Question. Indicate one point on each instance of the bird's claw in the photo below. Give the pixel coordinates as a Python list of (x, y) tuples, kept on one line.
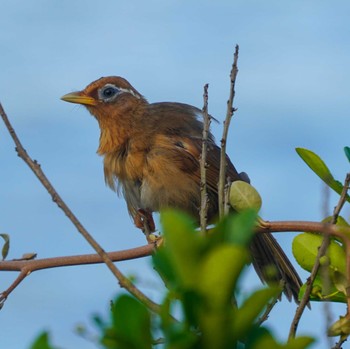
[(144, 220)]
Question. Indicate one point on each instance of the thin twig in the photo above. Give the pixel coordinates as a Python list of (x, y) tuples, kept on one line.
[(3, 296), (35, 167), (339, 344), (324, 267), (267, 311), (227, 205), (229, 114), (203, 212), (342, 199), (336, 213), (321, 252)]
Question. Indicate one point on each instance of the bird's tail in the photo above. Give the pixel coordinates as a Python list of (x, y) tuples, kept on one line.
[(272, 265)]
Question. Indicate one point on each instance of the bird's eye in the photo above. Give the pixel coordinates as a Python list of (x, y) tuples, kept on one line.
[(108, 92)]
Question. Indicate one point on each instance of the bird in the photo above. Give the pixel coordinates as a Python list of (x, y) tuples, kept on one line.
[(151, 155)]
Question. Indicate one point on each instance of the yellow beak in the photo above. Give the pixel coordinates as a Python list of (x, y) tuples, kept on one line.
[(79, 98)]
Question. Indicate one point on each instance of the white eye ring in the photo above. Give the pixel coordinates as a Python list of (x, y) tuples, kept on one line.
[(108, 92)]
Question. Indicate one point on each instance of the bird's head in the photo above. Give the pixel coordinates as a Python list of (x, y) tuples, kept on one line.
[(107, 97), (117, 106)]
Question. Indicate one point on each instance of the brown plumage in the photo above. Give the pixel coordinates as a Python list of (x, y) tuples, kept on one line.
[(151, 152)]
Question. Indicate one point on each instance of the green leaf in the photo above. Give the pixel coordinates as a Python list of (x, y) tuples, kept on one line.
[(192, 303), (320, 168), (262, 338), (251, 308), (319, 295), (6, 246), (131, 325), (244, 196), (42, 342), (347, 152), (305, 249), (299, 343), (340, 328), (240, 227), (341, 223), (341, 282), (183, 246), (218, 274), (216, 330), (176, 333), (163, 265)]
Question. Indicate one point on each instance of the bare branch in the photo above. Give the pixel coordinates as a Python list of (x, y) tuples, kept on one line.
[(26, 267), (203, 212), (294, 226), (35, 167), (65, 261), (229, 114)]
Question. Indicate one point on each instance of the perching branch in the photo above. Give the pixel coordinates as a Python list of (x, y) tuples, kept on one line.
[(302, 226), (35, 167), (26, 267), (139, 252), (203, 213), (229, 114)]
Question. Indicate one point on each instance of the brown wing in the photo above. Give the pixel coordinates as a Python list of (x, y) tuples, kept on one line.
[(266, 251), (213, 162), (177, 146), (184, 153), (181, 140)]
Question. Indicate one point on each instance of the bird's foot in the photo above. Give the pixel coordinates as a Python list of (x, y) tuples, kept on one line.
[(156, 240), (144, 220)]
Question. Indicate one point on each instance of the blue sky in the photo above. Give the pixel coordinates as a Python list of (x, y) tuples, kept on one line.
[(292, 90)]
